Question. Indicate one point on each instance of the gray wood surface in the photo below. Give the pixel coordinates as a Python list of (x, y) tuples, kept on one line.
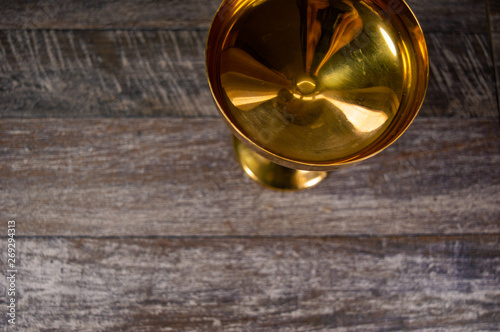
[(178, 177), (494, 20), (443, 15), (495, 37), (494, 14), (456, 87), (450, 16), (162, 73), (239, 284), (132, 214), (103, 73), (105, 14)]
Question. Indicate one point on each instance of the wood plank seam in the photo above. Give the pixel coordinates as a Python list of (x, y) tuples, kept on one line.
[(258, 237)]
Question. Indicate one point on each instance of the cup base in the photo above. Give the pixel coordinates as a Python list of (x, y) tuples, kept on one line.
[(272, 175)]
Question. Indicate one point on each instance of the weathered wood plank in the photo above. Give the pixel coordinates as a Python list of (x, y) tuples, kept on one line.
[(462, 79), (105, 14), (442, 15), (340, 284), (162, 73), (495, 37), (494, 20), (103, 73), (494, 15), (127, 177), (450, 15)]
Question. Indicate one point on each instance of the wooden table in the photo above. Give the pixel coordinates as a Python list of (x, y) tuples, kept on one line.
[(132, 215)]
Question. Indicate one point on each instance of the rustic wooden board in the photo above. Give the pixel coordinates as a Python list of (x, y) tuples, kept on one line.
[(443, 15), (495, 37), (162, 73), (450, 15), (456, 88), (150, 225), (105, 14), (494, 13), (234, 284), (103, 73), (494, 20), (141, 177)]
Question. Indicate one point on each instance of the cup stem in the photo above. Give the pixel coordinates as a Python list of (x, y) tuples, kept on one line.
[(272, 175)]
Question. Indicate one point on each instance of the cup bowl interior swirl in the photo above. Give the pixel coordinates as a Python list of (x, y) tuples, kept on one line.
[(317, 84)]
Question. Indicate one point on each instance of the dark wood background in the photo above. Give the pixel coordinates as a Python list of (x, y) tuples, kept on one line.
[(132, 214)]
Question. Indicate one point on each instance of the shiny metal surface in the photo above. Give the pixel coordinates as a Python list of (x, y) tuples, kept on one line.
[(316, 84), (272, 175)]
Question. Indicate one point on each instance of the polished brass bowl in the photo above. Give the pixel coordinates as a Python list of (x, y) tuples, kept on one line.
[(310, 85)]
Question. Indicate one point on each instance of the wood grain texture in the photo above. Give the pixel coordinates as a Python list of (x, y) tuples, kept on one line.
[(305, 284), (494, 15), (162, 73), (451, 15), (103, 73), (150, 225), (105, 14), (495, 37), (442, 15), (456, 86), (141, 177), (494, 20)]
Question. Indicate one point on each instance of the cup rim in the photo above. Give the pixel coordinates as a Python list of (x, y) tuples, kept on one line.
[(224, 17)]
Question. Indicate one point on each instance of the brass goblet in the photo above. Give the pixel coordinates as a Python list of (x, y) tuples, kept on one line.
[(307, 86)]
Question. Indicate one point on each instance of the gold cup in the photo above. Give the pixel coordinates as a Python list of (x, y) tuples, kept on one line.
[(307, 86)]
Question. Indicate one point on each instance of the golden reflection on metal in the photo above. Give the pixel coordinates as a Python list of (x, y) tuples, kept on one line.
[(273, 175), (389, 41), (312, 85)]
